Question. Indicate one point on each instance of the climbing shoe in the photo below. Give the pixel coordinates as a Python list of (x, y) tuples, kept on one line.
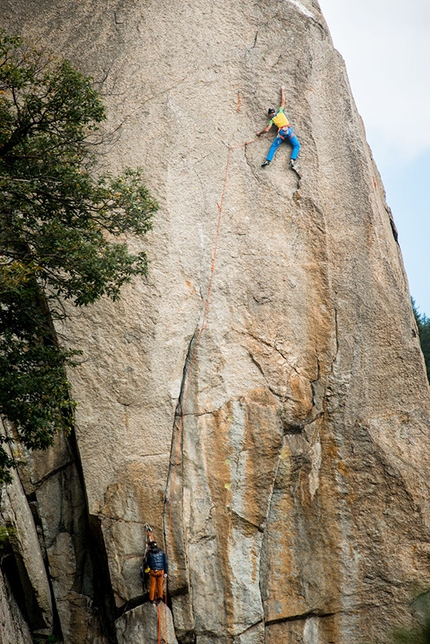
[(293, 164), (263, 165)]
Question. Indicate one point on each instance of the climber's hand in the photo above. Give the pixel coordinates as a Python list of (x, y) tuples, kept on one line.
[(165, 575)]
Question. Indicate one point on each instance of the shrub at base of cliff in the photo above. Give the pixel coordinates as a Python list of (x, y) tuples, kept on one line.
[(58, 225)]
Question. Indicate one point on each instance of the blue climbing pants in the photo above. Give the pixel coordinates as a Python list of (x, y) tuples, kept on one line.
[(286, 134)]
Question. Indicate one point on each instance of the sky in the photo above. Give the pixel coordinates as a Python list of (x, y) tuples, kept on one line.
[(386, 47)]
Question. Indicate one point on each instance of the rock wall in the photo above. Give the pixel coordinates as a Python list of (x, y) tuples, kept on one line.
[(276, 432)]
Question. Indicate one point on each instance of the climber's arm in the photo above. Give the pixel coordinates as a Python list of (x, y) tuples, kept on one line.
[(265, 129), (282, 96)]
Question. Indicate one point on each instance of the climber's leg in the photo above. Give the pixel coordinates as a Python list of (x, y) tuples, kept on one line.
[(152, 583), (296, 146), (275, 145), (160, 584)]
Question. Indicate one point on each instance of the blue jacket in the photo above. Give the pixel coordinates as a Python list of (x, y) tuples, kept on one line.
[(156, 560)]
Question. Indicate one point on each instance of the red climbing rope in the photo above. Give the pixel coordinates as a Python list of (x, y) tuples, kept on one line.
[(158, 624), (161, 617), (180, 425)]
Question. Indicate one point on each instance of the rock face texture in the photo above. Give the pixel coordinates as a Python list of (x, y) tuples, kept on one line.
[(261, 399), (142, 624)]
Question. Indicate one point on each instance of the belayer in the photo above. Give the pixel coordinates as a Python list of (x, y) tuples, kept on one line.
[(285, 133), (156, 561)]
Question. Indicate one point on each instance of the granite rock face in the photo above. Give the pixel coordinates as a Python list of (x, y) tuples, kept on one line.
[(261, 398), (23, 542), (13, 626), (143, 623)]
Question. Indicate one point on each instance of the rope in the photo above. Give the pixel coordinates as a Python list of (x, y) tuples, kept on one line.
[(162, 633), (180, 426), (164, 604)]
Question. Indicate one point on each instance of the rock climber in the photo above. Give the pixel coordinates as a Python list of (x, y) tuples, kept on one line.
[(285, 133), (156, 561)]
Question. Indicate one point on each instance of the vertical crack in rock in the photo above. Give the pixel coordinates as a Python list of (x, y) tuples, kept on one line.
[(315, 381), (392, 223), (336, 328), (250, 165), (263, 562), (296, 193), (288, 538), (75, 560), (97, 567), (174, 512)]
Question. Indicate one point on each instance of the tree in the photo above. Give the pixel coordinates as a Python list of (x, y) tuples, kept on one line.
[(423, 324), (59, 229)]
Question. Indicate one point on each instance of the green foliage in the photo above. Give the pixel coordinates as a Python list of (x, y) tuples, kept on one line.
[(59, 230), (413, 636), (5, 535), (423, 324), (420, 634)]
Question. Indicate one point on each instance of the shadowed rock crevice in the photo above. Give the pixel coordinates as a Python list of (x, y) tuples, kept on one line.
[(14, 570), (392, 224), (294, 618), (53, 501), (103, 597), (89, 585), (181, 586)]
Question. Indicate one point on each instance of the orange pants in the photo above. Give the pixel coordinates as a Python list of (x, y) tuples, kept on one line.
[(156, 578)]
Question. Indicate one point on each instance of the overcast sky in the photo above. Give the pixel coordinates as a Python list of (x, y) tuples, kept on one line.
[(386, 47)]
